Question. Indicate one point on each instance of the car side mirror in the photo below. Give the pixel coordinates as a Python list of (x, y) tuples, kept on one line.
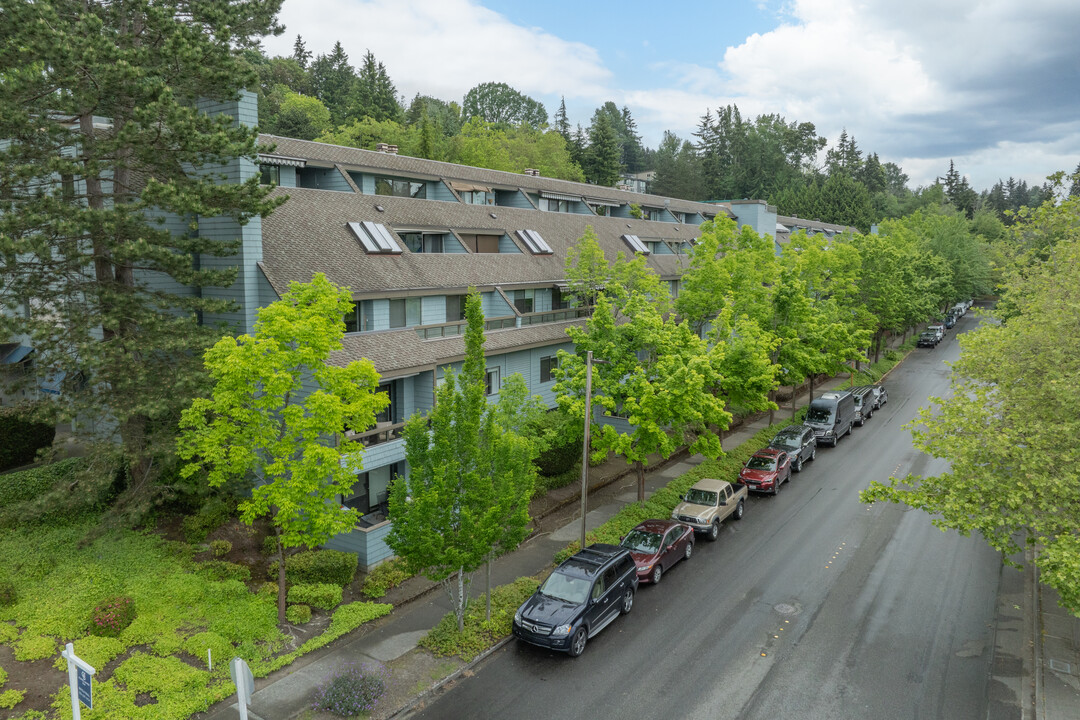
[(670, 548), (683, 498)]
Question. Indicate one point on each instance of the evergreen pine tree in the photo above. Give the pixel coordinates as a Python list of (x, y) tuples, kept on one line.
[(300, 52), (602, 157)]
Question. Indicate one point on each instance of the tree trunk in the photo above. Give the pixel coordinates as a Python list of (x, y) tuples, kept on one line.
[(794, 401), (280, 578), (489, 588), (640, 481), (772, 401), (811, 398), (459, 606)]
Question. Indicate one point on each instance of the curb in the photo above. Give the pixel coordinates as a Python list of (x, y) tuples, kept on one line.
[(408, 708)]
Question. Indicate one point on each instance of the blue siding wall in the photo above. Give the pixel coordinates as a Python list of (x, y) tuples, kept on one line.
[(757, 215), (623, 211), (437, 190), (452, 245), (423, 388), (432, 309), (322, 179), (494, 306), (512, 198), (267, 294), (506, 245)]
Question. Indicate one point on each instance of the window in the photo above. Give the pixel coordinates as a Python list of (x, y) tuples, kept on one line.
[(558, 302), (423, 242), (648, 213), (481, 243), (476, 197), (361, 318), (371, 489), (523, 300), (400, 188), (455, 308), (674, 289), (491, 382), (404, 312), (547, 364), (600, 209), (554, 205), (271, 174), (387, 415)]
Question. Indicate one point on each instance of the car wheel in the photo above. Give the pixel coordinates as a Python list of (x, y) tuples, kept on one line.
[(657, 573), (739, 510), (798, 464), (577, 643), (714, 530), (689, 550), (776, 486), (813, 453), (628, 599)]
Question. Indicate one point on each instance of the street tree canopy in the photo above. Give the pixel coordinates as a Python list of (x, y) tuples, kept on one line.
[(1009, 426)]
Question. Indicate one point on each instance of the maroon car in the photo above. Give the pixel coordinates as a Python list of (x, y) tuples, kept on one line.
[(656, 545), (766, 470)]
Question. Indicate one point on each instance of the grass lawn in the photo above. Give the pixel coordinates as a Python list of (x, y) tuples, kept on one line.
[(157, 666)]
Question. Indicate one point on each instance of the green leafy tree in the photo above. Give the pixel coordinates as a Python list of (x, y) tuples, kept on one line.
[(501, 104), (632, 277), (368, 132), (300, 116), (470, 478), (667, 398), (587, 270), (513, 149), (445, 115), (83, 207), (263, 422), (1014, 394)]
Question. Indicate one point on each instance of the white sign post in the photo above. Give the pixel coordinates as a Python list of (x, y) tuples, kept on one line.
[(80, 678), (245, 684)]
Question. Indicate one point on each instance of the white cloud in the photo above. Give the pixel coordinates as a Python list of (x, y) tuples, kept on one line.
[(444, 48)]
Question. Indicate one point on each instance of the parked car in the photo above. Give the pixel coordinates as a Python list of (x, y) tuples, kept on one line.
[(881, 396), (656, 545), (798, 441), (831, 415), (579, 599), (864, 403), (939, 329), (927, 339), (950, 320), (766, 470), (708, 503)]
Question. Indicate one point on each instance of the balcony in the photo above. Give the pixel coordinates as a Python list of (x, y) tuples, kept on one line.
[(550, 316), (382, 432), (430, 332)]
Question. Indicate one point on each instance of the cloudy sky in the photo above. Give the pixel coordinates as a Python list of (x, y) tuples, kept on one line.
[(991, 84)]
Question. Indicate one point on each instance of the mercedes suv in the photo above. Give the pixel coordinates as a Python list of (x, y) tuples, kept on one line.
[(579, 599)]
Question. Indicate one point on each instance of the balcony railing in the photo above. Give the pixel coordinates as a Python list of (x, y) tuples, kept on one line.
[(428, 332), (549, 316), (381, 433)]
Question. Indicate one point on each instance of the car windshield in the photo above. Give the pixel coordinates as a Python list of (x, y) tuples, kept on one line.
[(701, 497), (761, 463), (817, 414), (786, 441), (566, 588), (641, 541), (858, 400)]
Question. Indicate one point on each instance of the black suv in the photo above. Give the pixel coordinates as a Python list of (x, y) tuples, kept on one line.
[(865, 396), (579, 599), (799, 442), (927, 339)]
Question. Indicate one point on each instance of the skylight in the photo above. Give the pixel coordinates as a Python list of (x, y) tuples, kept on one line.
[(635, 244), (535, 243), (375, 238)]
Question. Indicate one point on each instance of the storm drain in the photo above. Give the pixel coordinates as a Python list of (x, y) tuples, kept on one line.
[(786, 609), (1061, 667)]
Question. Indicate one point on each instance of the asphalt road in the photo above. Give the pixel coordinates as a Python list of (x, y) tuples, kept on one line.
[(813, 606)]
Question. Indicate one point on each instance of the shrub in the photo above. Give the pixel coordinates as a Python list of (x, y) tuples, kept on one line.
[(34, 647), (211, 515), (8, 595), (23, 437), (220, 548), (298, 614), (390, 574), (11, 698), (480, 633), (319, 566), (111, 617), (269, 546), (321, 595), (352, 690), (28, 484), (224, 570), (268, 588)]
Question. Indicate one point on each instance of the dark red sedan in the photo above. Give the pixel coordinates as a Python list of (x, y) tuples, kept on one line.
[(766, 470), (656, 545)]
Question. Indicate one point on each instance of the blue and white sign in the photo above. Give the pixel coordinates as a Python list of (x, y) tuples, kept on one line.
[(84, 684), (81, 681)]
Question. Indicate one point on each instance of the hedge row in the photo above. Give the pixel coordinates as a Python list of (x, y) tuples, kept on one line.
[(25, 485), (313, 567)]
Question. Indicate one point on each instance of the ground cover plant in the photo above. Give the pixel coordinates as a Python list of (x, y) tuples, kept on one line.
[(156, 666)]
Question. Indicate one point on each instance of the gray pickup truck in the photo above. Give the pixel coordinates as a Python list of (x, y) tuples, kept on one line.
[(708, 503)]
